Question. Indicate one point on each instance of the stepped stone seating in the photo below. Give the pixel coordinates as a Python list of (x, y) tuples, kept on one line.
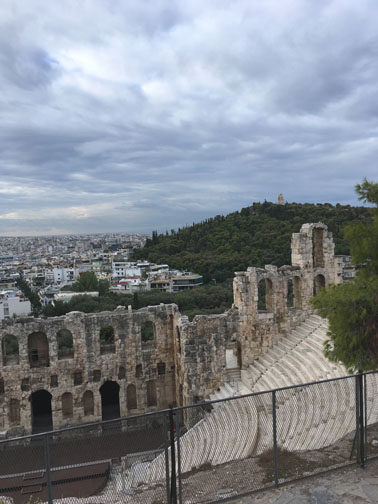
[(308, 416), (228, 433)]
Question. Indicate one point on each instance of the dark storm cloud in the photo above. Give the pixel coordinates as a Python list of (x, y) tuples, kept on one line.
[(141, 115)]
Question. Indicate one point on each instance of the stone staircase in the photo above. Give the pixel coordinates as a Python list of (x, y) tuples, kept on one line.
[(308, 417)]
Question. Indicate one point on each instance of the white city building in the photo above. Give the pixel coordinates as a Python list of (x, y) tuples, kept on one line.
[(12, 303)]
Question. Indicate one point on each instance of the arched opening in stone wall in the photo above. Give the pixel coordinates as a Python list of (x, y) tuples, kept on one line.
[(110, 400), (131, 397), (42, 420), (290, 293), (88, 403), (121, 373), (1, 386), (38, 348), (161, 368), (147, 331), (319, 284), (107, 339), (138, 371), (14, 412), (67, 405), (297, 287), (178, 339), (9, 346), (65, 344), (265, 295), (318, 247), (151, 393)]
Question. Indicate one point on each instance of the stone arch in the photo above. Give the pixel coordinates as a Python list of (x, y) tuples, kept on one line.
[(138, 371), (290, 293), (121, 373), (107, 339), (151, 393), (131, 397), (67, 405), (38, 348), (9, 346), (297, 288), (42, 420), (319, 283), (88, 403), (161, 368), (147, 331), (65, 344), (318, 247), (265, 295), (110, 400), (14, 412)]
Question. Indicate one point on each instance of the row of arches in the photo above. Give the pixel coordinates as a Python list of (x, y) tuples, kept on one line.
[(293, 292), (41, 404), (38, 346)]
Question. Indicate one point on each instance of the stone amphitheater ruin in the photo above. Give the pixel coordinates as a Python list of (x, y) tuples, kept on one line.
[(63, 371)]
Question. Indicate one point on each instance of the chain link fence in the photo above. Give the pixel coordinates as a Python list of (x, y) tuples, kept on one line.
[(202, 453)]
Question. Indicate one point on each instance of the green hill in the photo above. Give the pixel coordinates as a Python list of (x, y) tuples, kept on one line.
[(255, 236)]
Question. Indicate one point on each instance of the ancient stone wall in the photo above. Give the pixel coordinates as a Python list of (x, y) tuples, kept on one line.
[(147, 367), (126, 362)]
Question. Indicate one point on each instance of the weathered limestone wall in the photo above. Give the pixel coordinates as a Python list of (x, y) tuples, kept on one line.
[(201, 356), (312, 250), (132, 362), (183, 364)]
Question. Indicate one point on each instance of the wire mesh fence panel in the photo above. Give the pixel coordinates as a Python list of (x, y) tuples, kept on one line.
[(219, 455), (111, 459), (316, 427), (22, 469), (371, 415)]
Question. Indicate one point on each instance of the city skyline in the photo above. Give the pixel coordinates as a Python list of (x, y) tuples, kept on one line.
[(135, 116)]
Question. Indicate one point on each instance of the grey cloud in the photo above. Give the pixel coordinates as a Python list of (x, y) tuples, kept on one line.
[(162, 115)]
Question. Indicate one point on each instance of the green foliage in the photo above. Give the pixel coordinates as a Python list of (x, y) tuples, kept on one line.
[(201, 300), (32, 296), (255, 236), (352, 308), (11, 345), (65, 340), (147, 331), (87, 282), (106, 335)]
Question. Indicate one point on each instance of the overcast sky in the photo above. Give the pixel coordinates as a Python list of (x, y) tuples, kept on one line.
[(133, 115)]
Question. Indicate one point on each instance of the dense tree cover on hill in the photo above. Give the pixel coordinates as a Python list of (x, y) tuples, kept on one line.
[(255, 236), (201, 300), (32, 296), (352, 308)]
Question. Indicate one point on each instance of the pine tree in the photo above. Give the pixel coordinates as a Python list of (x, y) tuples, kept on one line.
[(352, 308)]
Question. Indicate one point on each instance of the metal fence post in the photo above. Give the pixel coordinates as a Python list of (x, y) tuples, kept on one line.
[(173, 496), (362, 419), (275, 450), (166, 454), (365, 417), (47, 464), (178, 454)]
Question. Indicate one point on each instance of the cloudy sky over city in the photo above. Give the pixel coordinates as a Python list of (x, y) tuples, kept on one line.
[(136, 115)]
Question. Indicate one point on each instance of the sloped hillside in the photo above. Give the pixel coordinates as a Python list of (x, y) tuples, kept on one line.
[(257, 235)]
